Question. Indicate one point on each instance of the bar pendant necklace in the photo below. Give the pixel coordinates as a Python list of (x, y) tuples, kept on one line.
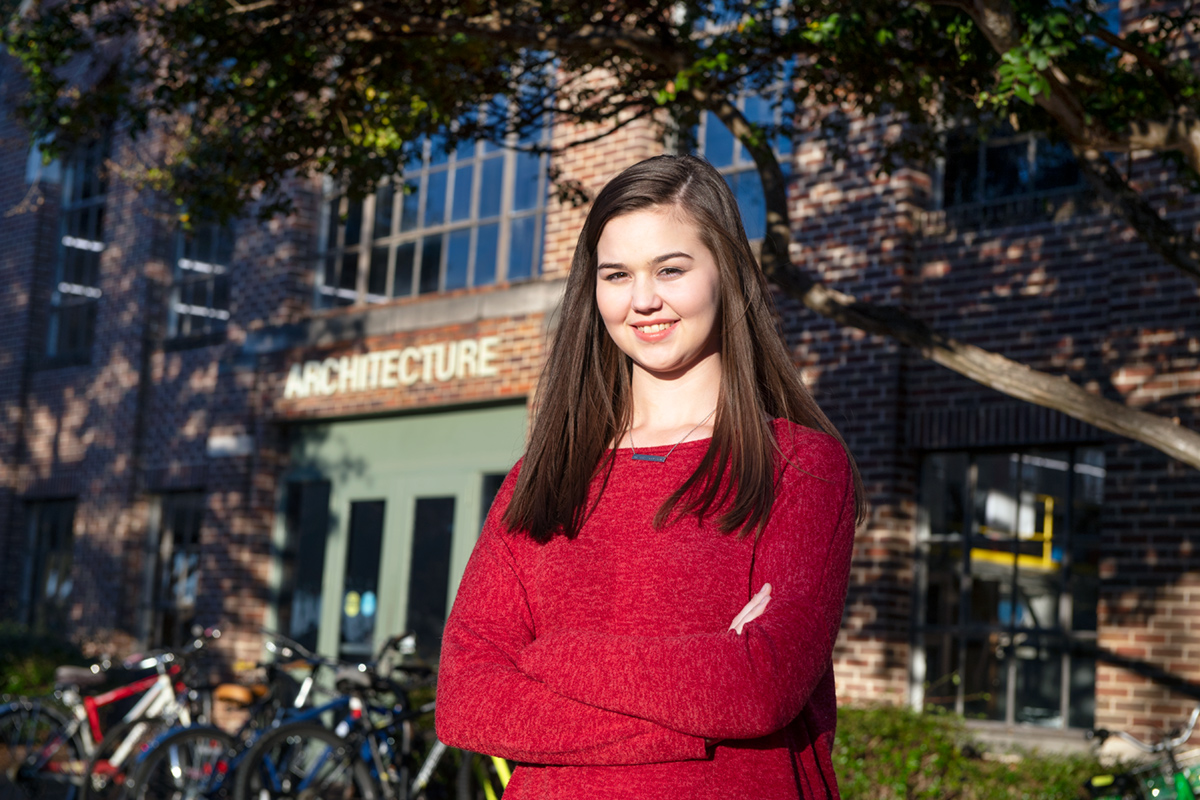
[(660, 459)]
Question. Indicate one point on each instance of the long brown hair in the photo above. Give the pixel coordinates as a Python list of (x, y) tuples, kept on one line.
[(584, 403)]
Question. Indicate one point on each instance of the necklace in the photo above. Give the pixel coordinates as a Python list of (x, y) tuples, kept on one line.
[(647, 457)]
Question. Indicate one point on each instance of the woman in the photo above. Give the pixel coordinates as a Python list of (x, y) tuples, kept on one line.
[(652, 606)]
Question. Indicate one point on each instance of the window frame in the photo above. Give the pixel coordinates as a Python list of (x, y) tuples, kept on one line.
[(72, 295), (196, 271), (1015, 208), (40, 558), (1013, 635), (333, 258), (741, 163)]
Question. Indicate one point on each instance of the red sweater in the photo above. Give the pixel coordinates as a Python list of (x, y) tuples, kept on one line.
[(602, 663)]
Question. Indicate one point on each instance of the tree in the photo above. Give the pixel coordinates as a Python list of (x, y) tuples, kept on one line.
[(245, 94)]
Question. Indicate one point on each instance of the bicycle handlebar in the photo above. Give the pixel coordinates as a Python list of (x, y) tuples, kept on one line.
[(1168, 743)]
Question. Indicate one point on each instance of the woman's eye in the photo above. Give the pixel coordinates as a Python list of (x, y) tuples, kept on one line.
[(613, 276), (670, 272)]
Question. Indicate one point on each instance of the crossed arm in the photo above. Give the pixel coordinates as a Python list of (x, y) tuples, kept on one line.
[(650, 699)]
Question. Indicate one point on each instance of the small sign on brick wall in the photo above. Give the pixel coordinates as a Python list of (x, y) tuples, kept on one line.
[(393, 369)]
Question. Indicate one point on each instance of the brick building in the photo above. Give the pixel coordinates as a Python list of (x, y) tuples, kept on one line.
[(300, 424)]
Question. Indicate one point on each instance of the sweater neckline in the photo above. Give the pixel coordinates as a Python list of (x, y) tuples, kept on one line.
[(662, 447)]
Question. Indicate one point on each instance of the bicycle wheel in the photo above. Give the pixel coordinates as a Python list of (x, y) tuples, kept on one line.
[(38, 761), (478, 777), (302, 760), (117, 752), (186, 764)]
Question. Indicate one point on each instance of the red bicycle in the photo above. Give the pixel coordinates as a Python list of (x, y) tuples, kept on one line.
[(56, 748)]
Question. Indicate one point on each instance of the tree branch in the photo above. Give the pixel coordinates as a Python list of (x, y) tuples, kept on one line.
[(983, 367)]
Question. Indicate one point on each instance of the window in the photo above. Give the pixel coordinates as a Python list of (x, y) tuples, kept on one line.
[(178, 567), (200, 293), (469, 217), (725, 152), (48, 580), (1008, 551), (76, 289), (1007, 176)]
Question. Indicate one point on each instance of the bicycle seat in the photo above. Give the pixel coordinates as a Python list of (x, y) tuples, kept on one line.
[(238, 695), (352, 677), (70, 675)]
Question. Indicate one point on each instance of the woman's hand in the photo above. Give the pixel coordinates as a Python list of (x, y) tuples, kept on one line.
[(752, 610)]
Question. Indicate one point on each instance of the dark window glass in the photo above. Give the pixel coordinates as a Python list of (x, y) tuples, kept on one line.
[(429, 579), (491, 487), (405, 254), (458, 256), (377, 275), (360, 583), (491, 190), (435, 199), (431, 263), (48, 566), (522, 241), (486, 253), (462, 193), (303, 561), (412, 199)]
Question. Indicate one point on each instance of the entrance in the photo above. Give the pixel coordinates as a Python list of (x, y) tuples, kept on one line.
[(378, 520)]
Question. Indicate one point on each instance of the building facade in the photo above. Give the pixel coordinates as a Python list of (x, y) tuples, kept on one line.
[(299, 425)]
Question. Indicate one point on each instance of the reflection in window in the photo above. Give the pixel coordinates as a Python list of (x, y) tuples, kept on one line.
[(468, 216), (1009, 551), (200, 293), (717, 144), (81, 242)]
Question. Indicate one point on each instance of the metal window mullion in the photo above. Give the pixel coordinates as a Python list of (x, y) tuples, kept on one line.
[(966, 584), (391, 242), (508, 182), (476, 195), (366, 242), (1066, 603)]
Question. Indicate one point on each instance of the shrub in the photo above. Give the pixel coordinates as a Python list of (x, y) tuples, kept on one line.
[(888, 753), (27, 660)]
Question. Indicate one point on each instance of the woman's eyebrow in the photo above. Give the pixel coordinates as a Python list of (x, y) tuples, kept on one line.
[(655, 260)]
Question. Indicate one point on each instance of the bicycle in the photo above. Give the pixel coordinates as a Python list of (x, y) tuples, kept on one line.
[(198, 761), (52, 748), (372, 752), (1173, 777)]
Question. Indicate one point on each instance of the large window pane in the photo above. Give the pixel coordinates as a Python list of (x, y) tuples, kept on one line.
[(431, 264), (458, 259), (522, 244), (486, 253), (429, 578), (303, 561), (360, 583)]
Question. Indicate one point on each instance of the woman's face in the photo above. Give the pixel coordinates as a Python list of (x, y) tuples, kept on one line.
[(658, 291)]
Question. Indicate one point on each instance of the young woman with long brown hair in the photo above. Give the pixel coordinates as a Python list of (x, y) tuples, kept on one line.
[(652, 606)]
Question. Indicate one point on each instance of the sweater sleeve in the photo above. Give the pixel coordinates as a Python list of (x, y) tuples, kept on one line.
[(487, 705), (721, 684)]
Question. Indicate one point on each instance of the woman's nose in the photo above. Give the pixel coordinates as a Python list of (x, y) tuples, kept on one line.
[(645, 296)]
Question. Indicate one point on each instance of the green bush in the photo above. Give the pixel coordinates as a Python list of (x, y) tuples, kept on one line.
[(27, 660), (888, 753)]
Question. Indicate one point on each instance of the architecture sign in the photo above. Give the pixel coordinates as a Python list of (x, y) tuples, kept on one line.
[(392, 369)]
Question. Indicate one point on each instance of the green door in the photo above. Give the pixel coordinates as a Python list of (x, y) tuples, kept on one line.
[(378, 518)]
